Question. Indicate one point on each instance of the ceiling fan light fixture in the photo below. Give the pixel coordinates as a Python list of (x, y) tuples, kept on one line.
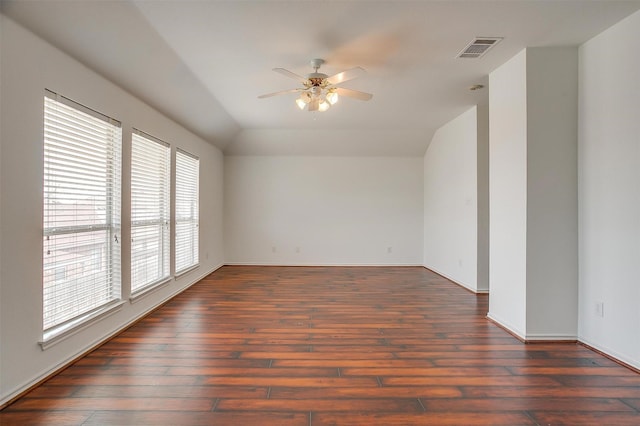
[(304, 99), (332, 97), (323, 106)]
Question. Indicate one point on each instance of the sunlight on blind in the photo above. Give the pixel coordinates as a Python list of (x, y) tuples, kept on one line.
[(187, 181), (81, 257), (150, 173)]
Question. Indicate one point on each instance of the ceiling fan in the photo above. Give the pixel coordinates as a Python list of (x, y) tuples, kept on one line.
[(320, 91)]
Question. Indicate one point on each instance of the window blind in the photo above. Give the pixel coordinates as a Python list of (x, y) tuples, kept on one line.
[(81, 247), (150, 173), (187, 214)]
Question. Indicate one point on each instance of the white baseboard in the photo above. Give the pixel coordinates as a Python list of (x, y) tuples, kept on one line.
[(551, 337), (617, 356), (506, 326), (314, 264), (461, 284)]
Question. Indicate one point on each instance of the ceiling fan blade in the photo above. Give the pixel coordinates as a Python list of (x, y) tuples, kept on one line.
[(290, 74), (349, 93), (346, 75), (314, 105), (282, 92)]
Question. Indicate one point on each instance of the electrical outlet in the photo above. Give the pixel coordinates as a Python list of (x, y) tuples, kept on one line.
[(297, 249), (273, 249), (600, 309), (389, 249)]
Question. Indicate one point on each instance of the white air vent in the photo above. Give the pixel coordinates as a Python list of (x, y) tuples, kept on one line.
[(479, 47)]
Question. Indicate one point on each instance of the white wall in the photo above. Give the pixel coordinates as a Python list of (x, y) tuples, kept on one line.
[(451, 201), (552, 193), (28, 66), (483, 198), (323, 210), (1, 187), (508, 193), (609, 182), (318, 142), (533, 186)]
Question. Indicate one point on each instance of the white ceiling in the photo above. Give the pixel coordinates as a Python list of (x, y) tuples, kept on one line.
[(203, 63)]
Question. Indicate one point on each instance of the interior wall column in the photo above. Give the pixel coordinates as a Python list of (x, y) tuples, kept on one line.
[(533, 194)]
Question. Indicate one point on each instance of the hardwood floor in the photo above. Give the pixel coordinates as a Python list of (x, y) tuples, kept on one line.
[(330, 346)]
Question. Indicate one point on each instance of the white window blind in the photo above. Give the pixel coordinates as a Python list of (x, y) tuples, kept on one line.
[(81, 247), (150, 173), (186, 237)]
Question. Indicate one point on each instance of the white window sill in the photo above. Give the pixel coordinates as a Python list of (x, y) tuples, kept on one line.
[(149, 289), (186, 270), (59, 333)]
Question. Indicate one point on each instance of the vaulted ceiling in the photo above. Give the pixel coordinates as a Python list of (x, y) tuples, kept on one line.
[(203, 63)]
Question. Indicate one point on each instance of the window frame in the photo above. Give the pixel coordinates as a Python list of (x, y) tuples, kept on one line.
[(163, 220), (193, 218), (68, 141)]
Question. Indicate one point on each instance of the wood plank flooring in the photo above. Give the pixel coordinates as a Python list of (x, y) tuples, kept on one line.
[(330, 346)]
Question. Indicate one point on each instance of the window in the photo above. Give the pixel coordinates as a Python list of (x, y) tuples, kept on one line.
[(187, 177), (81, 247), (150, 172)]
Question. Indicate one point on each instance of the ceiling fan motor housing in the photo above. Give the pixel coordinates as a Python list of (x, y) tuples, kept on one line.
[(316, 78)]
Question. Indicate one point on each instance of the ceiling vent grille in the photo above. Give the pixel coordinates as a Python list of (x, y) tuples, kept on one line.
[(479, 47)]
